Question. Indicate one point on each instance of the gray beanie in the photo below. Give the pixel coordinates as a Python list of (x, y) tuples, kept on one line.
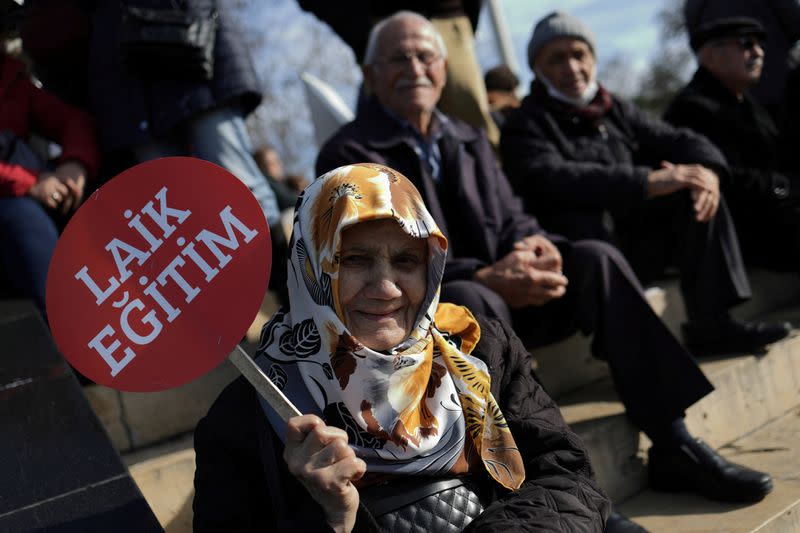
[(557, 24)]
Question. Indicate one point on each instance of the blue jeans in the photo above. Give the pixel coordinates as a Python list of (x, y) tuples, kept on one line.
[(219, 136), (27, 239)]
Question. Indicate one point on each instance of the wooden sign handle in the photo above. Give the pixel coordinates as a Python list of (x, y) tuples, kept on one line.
[(265, 387)]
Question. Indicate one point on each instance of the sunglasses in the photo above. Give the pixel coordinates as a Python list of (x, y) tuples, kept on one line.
[(748, 42), (745, 42)]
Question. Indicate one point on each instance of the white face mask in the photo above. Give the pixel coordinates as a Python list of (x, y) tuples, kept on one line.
[(582, 101)]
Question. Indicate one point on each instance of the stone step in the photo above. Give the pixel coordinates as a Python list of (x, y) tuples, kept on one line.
[(775, 448), (772, 291), (568, 365), (134, 420), (165, 475), (750, 392)]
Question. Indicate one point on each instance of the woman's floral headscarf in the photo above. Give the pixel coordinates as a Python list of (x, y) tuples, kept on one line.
[(424, 407)]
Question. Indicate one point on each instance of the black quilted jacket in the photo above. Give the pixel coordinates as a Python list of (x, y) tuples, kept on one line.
[(242, 483)]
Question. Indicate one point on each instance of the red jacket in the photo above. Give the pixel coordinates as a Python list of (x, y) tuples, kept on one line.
[(26, 109)]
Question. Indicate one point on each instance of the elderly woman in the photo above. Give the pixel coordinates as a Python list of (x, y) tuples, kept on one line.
[(418, 416)]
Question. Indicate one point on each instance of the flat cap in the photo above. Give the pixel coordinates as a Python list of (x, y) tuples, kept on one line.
[(724, 27)]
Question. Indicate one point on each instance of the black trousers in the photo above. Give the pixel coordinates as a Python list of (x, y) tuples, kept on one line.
[(656, 378), (665, 233), (768, 227)]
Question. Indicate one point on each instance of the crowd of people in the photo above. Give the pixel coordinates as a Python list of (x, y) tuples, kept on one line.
[(453, 228)]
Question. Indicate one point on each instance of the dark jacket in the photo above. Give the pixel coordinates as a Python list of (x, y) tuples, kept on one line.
[(570, 170), (130, 110), (242, 483), (477, 210), (781, 19), (745, 133)]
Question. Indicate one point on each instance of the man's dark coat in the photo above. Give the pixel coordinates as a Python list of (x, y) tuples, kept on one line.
[(763, 190), (585, 177)]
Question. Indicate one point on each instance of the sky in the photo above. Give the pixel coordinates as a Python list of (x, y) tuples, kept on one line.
[(627, 28)]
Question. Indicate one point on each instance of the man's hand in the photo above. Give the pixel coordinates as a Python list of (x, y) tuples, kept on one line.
[(702, 182), (520, 283), (547, 255), (49, 190), (73, 175), (320, 458)]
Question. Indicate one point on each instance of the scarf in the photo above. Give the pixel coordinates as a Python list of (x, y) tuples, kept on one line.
[(422, 408), (592, 105)]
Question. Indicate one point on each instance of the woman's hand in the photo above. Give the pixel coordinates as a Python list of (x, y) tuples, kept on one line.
[(73, 175), (319, 456), (49, 190)]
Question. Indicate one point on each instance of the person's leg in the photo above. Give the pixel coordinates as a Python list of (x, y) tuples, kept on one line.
[(665, 233), (27, 239), (656, 378), (769, 229), (713, 276), (654, 375), (220, 136)]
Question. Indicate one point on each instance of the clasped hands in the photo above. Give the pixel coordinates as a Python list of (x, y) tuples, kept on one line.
[(529, 275), (703, 185), (62, 188)]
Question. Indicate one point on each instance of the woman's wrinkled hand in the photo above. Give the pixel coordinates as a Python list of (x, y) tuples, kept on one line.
[(320, 458)]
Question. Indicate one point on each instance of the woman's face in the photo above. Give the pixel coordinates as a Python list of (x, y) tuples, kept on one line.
[(382, 282)]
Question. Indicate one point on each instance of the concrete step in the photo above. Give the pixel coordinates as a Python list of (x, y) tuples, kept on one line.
[(568, 365), (134, 420), (165, 475), (772, 291), (750, 392), (775, 448)]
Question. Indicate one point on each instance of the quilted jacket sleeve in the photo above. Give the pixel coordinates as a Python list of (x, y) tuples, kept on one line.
[(560, 493)]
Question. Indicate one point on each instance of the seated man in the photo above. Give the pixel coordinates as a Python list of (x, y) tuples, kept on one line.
[(763, 191), (590, 165), (502, 264)]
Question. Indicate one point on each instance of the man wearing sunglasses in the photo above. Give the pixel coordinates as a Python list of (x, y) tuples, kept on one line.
[(763, 188)]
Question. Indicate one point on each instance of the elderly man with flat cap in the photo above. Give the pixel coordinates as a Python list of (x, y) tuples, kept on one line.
[(501, 263), (763, 188), (590, 165)]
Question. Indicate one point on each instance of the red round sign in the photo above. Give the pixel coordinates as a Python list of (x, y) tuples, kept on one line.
[(158, 275)]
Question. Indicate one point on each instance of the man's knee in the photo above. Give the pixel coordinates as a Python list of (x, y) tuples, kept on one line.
[(475, 297), (601, 257)]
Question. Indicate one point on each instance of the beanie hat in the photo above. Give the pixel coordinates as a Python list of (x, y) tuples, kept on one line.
[(558, 24)]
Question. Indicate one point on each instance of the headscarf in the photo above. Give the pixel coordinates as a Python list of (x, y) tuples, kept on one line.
[(421, 408)]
